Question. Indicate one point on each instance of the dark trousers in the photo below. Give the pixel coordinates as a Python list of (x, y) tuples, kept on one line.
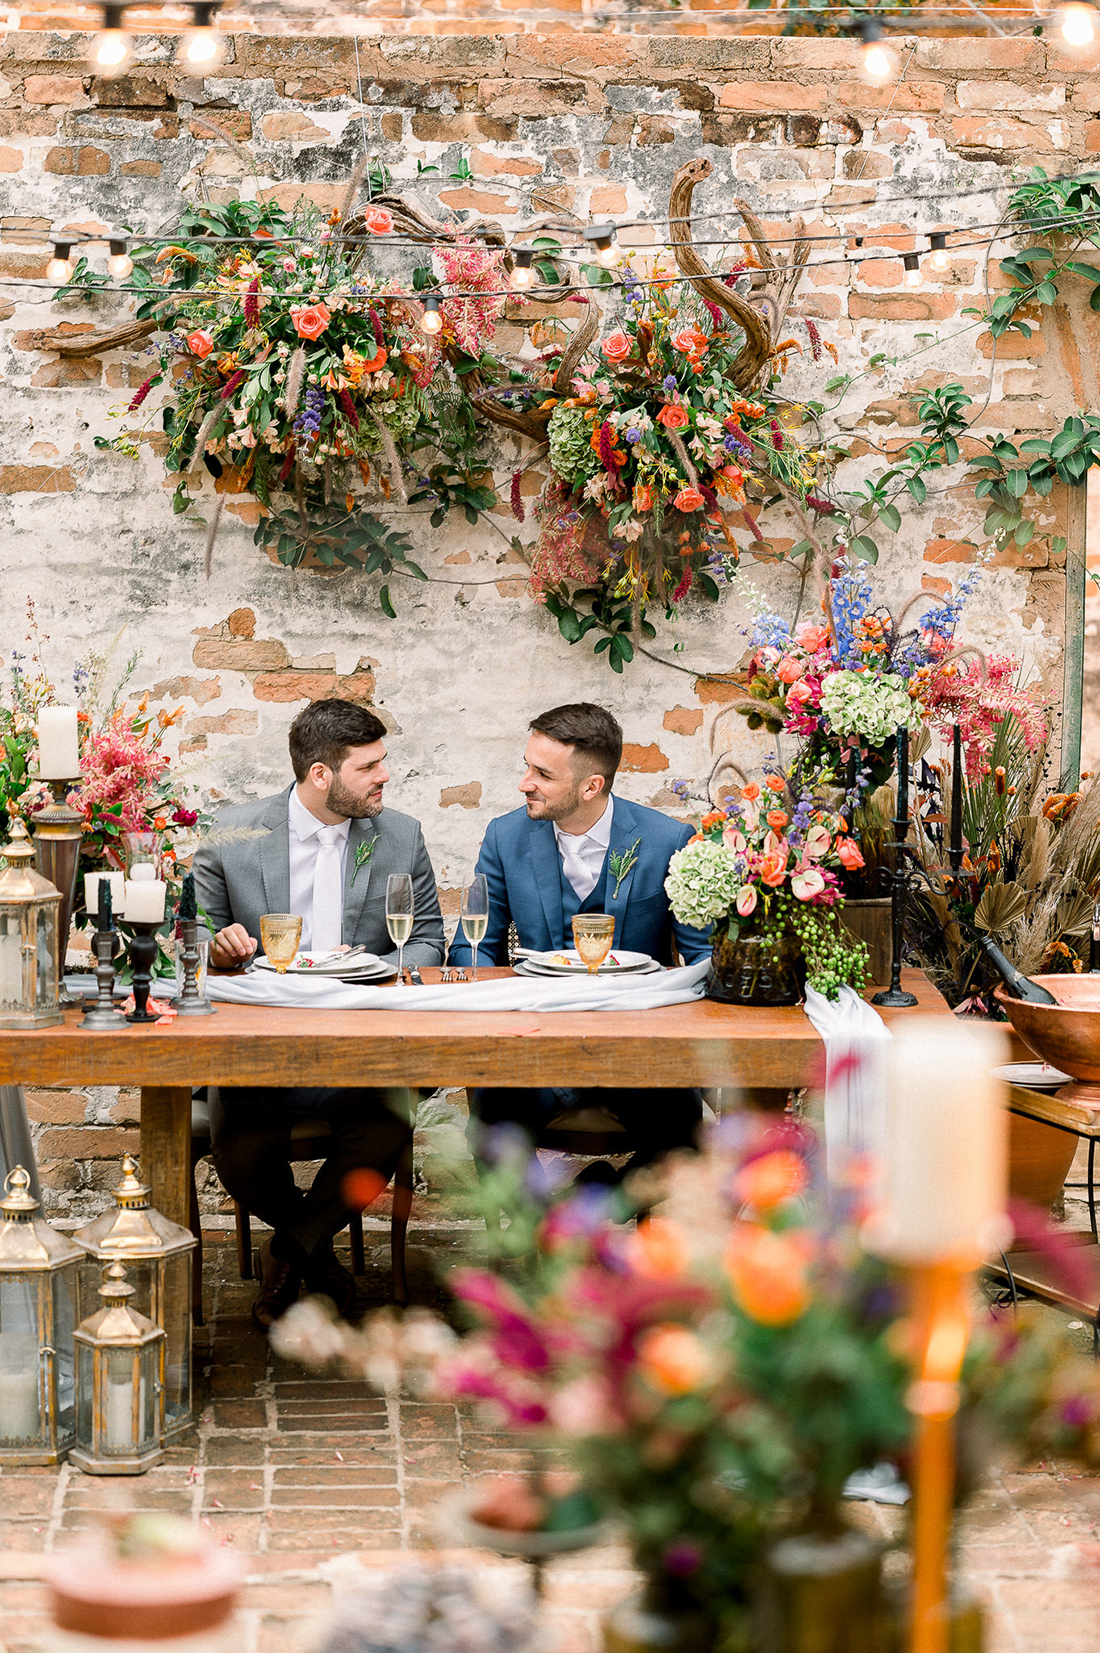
[(656, 1121), (250, 1128)]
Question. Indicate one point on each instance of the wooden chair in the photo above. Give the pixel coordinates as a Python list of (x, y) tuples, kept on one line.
[(308, 1140)]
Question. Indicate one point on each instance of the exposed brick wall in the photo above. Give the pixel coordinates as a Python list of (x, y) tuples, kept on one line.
[(561, 122)]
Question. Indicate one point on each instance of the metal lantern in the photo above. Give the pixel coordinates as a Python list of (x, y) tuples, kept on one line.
[(37, 1301), (30, 945), (157, 1254), (119, 1385)]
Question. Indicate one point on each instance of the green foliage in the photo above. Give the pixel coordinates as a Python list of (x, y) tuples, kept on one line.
[(339, 537), (83, 284)]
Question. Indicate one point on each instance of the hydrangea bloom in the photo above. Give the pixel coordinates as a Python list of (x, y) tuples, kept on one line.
[(872, 706), (702, 883)]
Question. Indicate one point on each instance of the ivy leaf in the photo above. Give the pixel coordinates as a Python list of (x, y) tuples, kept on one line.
[(386, 603), (917, 488)]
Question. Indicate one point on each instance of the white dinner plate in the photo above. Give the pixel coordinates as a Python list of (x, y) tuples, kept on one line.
[(359, 967), (575, 965), (1035, 1076), (531, 967)]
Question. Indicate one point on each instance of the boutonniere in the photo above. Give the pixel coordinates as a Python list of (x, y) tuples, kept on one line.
[(620, 863), (363, 854)]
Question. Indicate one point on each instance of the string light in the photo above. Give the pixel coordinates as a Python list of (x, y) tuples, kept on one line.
[(912, 270), (1077, 23), (202, 43), (938, 246), (876, 64), (431, 321), (120, 263), (113, 45), (60, 268), (602, 238), (522, 276)]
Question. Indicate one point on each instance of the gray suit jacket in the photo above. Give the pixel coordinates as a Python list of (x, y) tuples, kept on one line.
[(236, 883)]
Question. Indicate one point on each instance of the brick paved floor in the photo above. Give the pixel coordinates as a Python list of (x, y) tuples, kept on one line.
[(310, 1479)]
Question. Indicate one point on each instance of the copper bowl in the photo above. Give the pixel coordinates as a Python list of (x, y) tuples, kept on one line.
[(1066, 1034)]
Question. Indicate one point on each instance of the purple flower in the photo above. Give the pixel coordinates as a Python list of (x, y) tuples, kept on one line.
[(682, 1557), (670, 381), (633, 435)]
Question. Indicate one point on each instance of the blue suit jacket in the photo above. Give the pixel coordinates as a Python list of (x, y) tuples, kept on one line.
[(520, 860)]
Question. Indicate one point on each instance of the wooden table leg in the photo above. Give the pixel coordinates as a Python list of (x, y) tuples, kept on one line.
[(166, 1148)]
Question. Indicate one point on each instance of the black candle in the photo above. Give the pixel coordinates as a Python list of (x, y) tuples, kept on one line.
[(188, 908), (104, 920), (903, 773), (956, 798)]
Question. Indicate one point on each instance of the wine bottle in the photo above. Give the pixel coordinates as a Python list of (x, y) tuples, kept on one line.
[(1094, 942), (1016, 983)]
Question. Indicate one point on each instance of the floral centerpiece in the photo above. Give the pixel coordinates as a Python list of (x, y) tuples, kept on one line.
[(649, 457), (764, 872)]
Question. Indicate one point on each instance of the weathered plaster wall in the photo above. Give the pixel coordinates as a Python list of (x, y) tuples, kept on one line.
[(572, 123)]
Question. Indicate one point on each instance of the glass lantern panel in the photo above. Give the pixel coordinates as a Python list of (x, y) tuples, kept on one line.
[(121, 1371), (139, 1273), (85, 1395), (64, 1319), (46, 984), (176, 1310), (22, 1419), (11, 963)]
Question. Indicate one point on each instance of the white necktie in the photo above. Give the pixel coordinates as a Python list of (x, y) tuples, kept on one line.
[(328, 892), (576, 863)]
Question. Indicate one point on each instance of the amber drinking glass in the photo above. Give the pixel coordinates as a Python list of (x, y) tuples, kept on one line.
[(280, 934), (593, 934)]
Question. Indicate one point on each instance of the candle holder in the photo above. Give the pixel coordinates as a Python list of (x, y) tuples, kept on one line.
[(57, 833), (143, 954), (100, 1015), (901, 880), (191, 1002)]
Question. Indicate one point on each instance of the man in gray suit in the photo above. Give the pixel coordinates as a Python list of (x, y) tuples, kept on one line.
[(324, 848)]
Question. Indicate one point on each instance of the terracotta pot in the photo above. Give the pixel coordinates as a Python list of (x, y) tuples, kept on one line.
[(869, 920), (756, 970), (1039, 1158)]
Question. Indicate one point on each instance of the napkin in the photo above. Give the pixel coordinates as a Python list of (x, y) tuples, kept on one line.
[(855, 1038)]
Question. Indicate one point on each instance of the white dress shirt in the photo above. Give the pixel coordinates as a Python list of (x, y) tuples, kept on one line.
[(304, 845), (583, 853)]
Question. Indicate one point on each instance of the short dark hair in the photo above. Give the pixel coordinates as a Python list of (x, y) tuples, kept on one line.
[(325, 729), (591, 730)]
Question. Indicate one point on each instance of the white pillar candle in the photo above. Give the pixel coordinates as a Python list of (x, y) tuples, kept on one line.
[(144, 902), (120, 1414), (116, 882), (943, 1182), (58, 746), (142, 872), (19, 1415)]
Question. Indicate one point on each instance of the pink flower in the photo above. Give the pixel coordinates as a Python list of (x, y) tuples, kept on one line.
[(617, 346), (789, 670), (290, 264), (807, 883), (746, 900), (734, 840), (849, 852), (311, 320), (377, 220), (799, 694), (584, 1407), (817, 843), (200, 343), (811, 637), (772, 868)]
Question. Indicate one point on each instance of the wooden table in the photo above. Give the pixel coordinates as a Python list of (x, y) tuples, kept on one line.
[(763, 1053)]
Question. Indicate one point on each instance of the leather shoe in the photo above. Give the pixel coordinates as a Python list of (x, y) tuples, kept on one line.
[(598, 1173), (326, 1277), (280, 1284)]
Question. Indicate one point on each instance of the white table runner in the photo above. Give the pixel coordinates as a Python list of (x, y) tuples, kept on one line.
[(855, 1038), (514, 993)]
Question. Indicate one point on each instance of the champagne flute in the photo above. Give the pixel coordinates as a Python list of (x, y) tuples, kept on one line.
[(475, 913), (593, 934), (280, 934), (399, 912)]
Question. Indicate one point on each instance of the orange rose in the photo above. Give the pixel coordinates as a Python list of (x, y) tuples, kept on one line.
[(657, 1249), (768, 1273), (776, 819), (673, 1359), (773, 869), (776, 783), (788, 670), (712, 818), (689, 342), (689, 499), (849, 854), (643, 496), (616, 347), (200, 343), (674, 416), (751, 792), (377, 220), (772, 1178), (310, 321)]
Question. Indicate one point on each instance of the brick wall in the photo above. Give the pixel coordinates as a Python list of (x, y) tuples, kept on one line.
[(559, 122)]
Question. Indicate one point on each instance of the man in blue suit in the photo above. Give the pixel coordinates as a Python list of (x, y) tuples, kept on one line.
[(576, 848)]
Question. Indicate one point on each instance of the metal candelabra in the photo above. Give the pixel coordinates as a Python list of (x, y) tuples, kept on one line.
[(101, 1014), (143, 954), (191, 1002), (57, 834), (902, 880)]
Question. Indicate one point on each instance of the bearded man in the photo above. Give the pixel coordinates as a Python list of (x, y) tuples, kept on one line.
[(575, 847), (323, 849)]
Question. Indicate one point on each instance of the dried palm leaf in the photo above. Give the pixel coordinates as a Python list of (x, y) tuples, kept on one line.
[(1000, 907)]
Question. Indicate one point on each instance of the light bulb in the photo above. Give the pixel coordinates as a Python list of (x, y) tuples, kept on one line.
[(601, 238), (1078, 24), (203, 46), (939, 257), (876, 63), (912, 270), (431, 321), (112, 49), (60, 267), (522, 276), (120, 263)]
